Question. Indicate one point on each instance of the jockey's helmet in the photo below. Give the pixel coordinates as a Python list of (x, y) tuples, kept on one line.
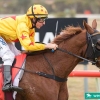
[(37, 11)]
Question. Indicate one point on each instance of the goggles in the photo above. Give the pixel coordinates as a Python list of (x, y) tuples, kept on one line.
[(41, 20)]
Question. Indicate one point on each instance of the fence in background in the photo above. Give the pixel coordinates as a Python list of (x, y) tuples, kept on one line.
[(87, 73)]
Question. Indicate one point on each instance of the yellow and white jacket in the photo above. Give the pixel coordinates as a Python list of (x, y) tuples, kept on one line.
[(18, 28)]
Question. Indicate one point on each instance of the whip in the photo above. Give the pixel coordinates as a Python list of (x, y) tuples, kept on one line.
[(55, 32), (56, 28)]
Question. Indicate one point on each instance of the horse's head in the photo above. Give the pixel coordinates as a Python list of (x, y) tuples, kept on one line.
[(93, 47)]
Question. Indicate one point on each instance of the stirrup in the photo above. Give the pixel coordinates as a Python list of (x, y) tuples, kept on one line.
[(15, 88), (11, 88), (6, 89)]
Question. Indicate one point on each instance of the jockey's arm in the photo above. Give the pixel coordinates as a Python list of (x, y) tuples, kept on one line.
[(14, 49), (28, 43)]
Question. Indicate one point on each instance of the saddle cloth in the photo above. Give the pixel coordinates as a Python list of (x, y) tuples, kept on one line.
[(16, 77)]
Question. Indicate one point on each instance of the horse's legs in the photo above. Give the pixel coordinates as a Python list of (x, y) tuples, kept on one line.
[(63, 93)]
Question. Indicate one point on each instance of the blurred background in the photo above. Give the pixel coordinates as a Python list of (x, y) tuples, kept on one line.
[(89, 9), (58, 8)]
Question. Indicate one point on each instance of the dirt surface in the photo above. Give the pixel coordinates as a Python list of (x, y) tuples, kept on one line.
[(76, 84)]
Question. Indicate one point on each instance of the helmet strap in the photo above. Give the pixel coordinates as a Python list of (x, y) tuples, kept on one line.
[(33, 12), (33, 22)]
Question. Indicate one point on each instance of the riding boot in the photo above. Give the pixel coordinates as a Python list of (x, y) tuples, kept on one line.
[(8, 81)]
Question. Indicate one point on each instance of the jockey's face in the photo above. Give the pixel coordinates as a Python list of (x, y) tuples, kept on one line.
[(40, 23)]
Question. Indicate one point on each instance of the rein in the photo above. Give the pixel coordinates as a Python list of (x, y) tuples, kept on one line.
[(65, 51), (93, 42)]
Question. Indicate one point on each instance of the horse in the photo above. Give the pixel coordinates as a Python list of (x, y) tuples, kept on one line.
[(46, 72)]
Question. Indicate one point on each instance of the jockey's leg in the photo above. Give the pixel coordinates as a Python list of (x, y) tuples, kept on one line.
[(7, 80), (8, 58)]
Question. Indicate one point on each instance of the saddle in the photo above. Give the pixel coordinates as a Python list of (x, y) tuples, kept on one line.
[(17, 74)]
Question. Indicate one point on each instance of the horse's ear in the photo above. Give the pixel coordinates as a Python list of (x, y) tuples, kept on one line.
[(94, 24), (88, 28)]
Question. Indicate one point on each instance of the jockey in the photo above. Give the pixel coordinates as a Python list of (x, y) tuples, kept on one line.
[(20, 28)]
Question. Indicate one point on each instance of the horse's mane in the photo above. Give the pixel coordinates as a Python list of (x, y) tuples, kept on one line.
[(66, 33)]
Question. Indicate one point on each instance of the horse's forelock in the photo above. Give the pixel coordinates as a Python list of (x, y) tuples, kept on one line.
[(66, 33)]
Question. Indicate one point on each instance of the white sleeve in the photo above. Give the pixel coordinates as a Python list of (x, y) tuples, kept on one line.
[(14, 49)]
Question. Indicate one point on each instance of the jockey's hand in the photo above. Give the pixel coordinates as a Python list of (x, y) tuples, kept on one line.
[(51, 46)]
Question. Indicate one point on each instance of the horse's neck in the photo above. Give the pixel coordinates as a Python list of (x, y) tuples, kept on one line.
[(62, 63)]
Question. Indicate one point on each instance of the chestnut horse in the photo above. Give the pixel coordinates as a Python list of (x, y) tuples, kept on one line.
[(51, 69)]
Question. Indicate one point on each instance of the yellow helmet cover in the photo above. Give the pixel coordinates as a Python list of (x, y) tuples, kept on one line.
[(37, 11)]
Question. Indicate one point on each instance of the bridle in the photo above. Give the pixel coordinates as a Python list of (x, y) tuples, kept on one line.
[(92, 51), (91, 41)]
